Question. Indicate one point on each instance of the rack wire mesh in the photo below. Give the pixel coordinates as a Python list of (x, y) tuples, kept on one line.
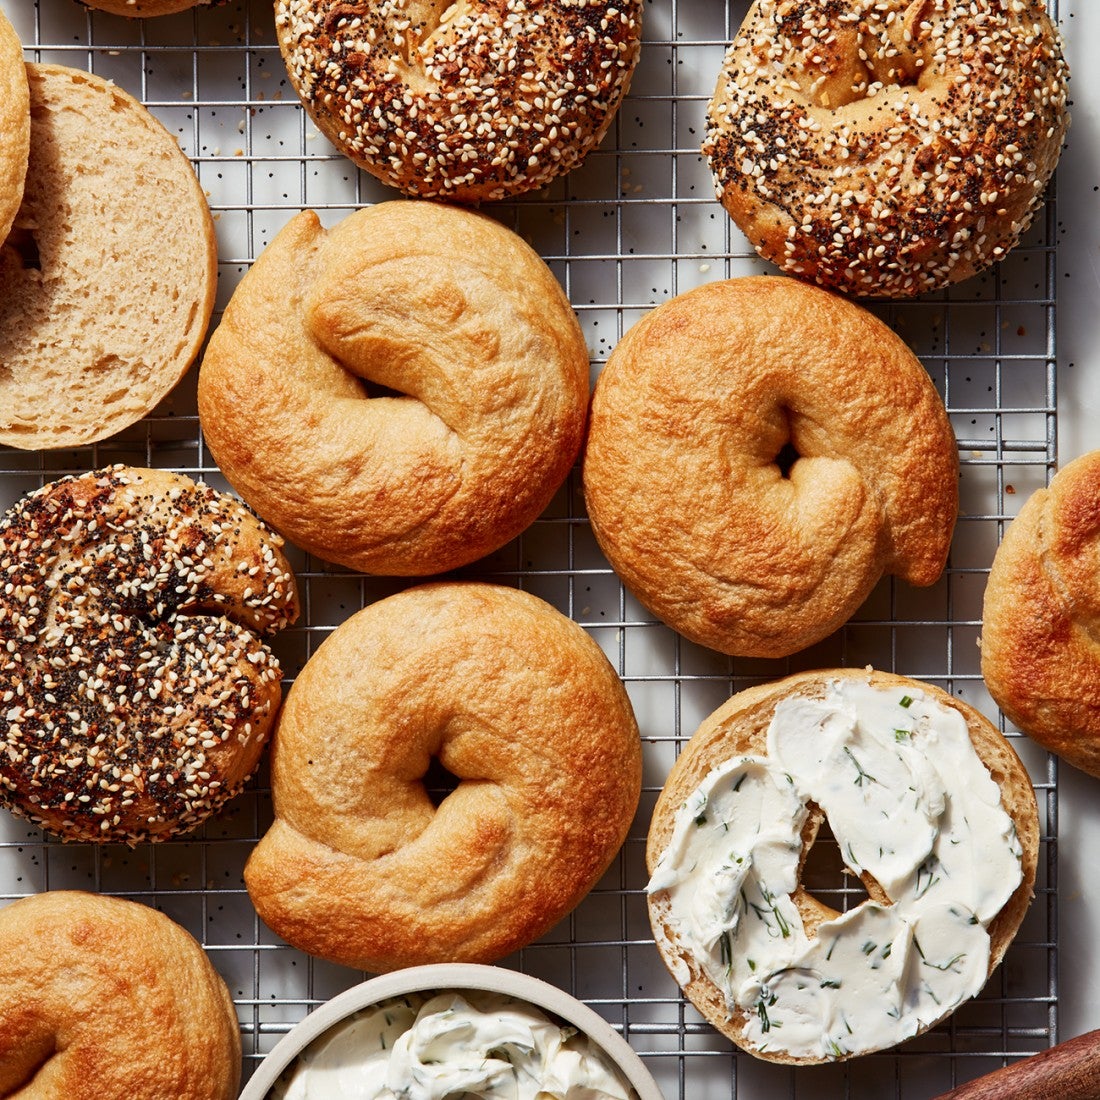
[(636, 225)]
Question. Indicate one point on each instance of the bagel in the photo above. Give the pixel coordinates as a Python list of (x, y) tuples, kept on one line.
[(929, 805), (442, 305), (686, 471), (481, 99), (1041, 617), (105, 999), (359, 867), (107, 281), (15, 124), (887, 147), (143, 9), (135, 691)]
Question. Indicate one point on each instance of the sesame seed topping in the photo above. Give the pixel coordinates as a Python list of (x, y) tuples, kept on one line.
[(119, 588)]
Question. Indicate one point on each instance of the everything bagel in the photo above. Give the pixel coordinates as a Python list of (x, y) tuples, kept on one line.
[(105, 999), (929, 805), (454, 313), (136, 693), (693, 500), (887, 147), (475, 100), (1040, 649), (515, 700)]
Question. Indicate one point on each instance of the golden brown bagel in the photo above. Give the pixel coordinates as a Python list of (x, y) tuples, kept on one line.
[(1041, 630), (887, 147), (740, 728), (689, 503), (135, 691), (143, 9), (107, 280), (105, 999), (473, 100), (516, 701), (15, 124), (440, 304)]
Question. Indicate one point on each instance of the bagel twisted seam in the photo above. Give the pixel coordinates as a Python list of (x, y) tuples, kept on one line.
[(136, 693)]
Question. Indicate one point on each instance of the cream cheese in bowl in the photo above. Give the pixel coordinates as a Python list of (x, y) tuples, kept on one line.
[(453, 1032)]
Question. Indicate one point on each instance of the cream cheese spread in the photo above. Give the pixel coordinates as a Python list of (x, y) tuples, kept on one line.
[(909, 801), (452, 1045)]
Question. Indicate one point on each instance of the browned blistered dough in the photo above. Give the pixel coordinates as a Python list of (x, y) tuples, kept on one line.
[(515, 700), (688, 502), (1041, 630), (106, 999), (888, 147), (442, 305), (464, 101), (136, 690), (740, 727)]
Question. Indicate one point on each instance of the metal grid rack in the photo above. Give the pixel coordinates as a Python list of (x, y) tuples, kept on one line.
[(634, 226)]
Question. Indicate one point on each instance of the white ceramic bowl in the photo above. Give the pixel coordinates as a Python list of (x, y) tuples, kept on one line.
[(456, 976)]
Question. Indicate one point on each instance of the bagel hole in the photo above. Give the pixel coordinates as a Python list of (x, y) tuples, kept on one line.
[(23, 243), (827, 877), (376, 389), (786, 458), (439, 782)]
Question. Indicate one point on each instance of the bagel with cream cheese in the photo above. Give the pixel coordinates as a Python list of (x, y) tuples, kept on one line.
[(106, 999), (1040, 652), (513, 699), (760, 453), (136, 688), (468, 101), (887, 147), (435, 367), (930, 807)]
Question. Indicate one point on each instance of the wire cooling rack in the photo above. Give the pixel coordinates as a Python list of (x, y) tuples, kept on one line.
[(634, 226)]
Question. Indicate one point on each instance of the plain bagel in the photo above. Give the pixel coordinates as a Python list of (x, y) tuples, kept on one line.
[(475, 100), (106, 999), (513, 699), (136, 687), (1040, 643), (401, 394), (760, 453), (15, 124), (928, 804), (888, 147)]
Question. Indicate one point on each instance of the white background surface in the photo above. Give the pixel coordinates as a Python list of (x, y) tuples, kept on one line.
[(1079, 431)]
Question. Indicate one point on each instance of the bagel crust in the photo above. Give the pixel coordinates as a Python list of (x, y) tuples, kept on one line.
[(690, 420), (143, 9), (454, 313), (740, 729), (106, 999), (887, 147), (1040, 649), (136, 693), (481, 99), (15, 124), (101, 318), (511, 697)]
